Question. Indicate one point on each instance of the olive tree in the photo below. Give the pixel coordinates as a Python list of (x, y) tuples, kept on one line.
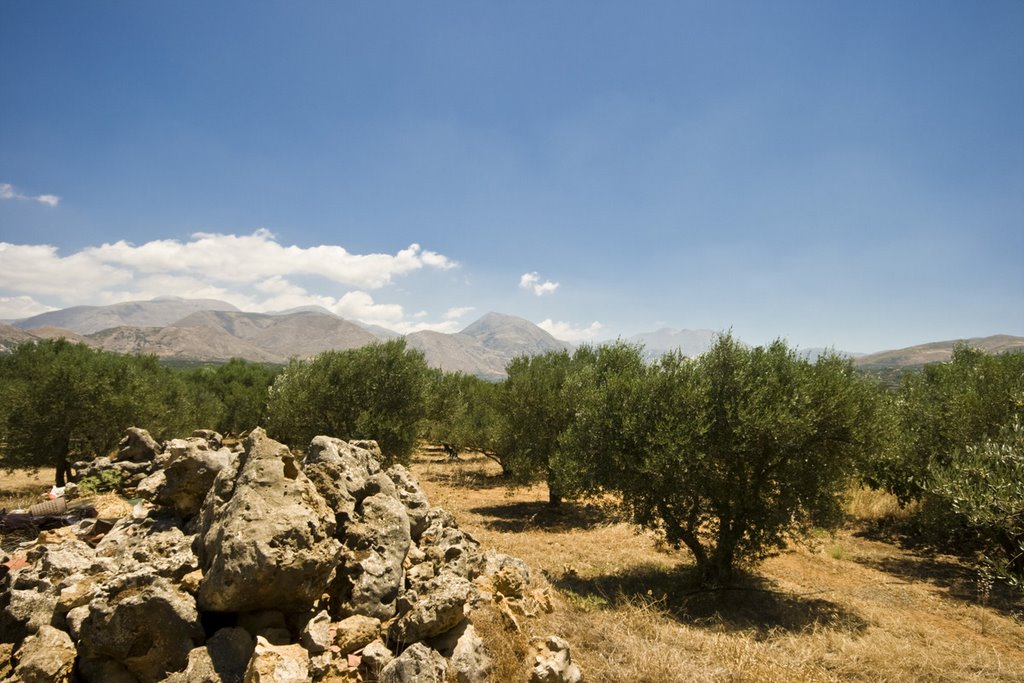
[(66, 400), (728, 453), (374, 392), (942, 410), (461, 412), (532, 416), (983, 485)]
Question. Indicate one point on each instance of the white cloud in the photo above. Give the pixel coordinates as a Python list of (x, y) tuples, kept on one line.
[(458, 312), (254, 272), (532, 282), (567, 332), (7, 191), (16, 307)]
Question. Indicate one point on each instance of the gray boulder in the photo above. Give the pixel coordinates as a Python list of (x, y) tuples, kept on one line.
[(466, 653), (142, 622), (186, 477), (413, 497), (340, 471), (266, 536), (446, 545), (440, 605), (418, 664), (137, 446), (376, 545)]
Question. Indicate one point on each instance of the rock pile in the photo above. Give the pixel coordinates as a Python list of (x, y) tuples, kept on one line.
[(250, 565)]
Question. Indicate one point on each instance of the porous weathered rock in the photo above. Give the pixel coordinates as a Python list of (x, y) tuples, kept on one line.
[(340, 470), (152, 543), (213, 438), (439, 606), (370, 579), (413, 497), (27, 609), (137, 446), (316, 634), (468, 659), (354, 633), (143, 622), (277, 663), (444, 543), (47, 656), (266, 536), (374, 658), (552, 662), (418, 664), (186, 477), (223, 659)]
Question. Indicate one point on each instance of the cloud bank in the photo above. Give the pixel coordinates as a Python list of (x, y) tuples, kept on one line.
[(570, 333), (531, 281), (254, 272), (7, 191)]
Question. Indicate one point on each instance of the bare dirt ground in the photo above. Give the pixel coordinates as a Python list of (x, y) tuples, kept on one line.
[(850, 607)]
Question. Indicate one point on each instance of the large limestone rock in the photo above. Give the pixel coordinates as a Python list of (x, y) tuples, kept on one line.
[(340, 471), (438, 606), (266, 536), (187, 476), (143, 623), (413, 497), (376, 546), (466, 653), (446, 545)]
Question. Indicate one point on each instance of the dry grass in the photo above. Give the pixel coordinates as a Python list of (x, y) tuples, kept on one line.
[(851, 607)]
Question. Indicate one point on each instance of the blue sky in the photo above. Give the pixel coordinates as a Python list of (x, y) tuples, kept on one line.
[(834, 173)]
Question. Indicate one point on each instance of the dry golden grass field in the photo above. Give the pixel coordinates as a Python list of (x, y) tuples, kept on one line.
[(850, 607), (855, 606)]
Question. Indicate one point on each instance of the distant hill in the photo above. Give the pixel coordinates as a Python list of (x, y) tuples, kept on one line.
[(155, 313), (915, 356), (458, 353), (688, 342), (221, 335), (11, 336), (301, 334), (214, 331), (509, 336), (378, 331), (60, 333)]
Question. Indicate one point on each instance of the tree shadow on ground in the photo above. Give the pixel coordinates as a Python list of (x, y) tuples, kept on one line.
[(518, 517), (959, 581), (752, 604), (459, 477)]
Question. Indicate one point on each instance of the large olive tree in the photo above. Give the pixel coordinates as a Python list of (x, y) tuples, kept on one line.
[(374, 392), (728, 453)]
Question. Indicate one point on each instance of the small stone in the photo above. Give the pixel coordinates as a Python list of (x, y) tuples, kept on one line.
[(552, 662), (277, 663), (355, 632)]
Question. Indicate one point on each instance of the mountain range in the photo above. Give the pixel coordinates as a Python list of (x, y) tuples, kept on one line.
[(207, 330)]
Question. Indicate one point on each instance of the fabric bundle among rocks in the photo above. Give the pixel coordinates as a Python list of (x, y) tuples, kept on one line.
[(250, 565)]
